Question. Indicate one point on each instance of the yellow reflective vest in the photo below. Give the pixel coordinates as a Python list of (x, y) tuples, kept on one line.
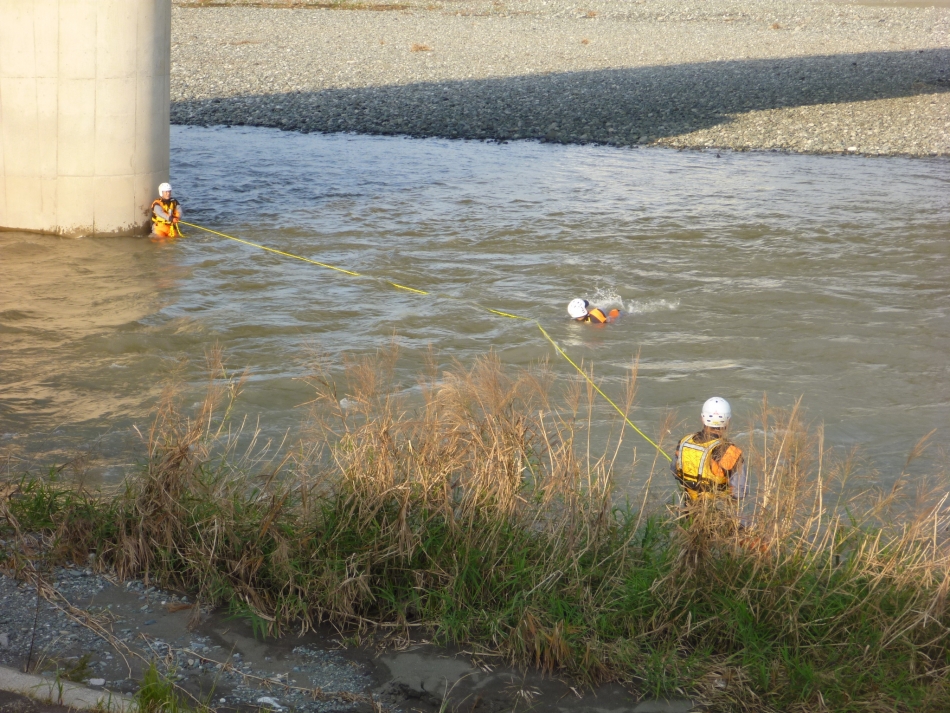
[(699, 471)]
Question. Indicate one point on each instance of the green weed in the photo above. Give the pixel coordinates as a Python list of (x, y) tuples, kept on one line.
[(157, 694), (477, 515)]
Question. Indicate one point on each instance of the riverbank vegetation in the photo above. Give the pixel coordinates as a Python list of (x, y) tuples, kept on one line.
[(475, 509)]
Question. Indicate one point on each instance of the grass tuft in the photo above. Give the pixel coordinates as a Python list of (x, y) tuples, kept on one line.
[(157, 693), (477, 512)]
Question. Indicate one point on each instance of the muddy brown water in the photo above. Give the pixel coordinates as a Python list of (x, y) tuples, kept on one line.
[(738, 274)]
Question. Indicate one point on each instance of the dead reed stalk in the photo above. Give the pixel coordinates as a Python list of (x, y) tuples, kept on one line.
[(478, 508)]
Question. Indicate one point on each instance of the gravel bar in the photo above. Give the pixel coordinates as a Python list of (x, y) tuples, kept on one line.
[(811, 76)]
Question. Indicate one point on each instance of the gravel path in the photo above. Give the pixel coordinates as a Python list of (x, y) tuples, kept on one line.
[(799, 75)]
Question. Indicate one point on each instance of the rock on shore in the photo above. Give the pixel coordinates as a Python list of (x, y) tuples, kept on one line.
[(810, 76)]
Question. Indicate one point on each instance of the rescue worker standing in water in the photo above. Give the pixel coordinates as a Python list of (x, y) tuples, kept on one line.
[(166, 212), (581, 311), (706, 464)]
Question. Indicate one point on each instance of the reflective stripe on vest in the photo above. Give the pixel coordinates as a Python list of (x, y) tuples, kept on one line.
[(170, 209), (695, 466)]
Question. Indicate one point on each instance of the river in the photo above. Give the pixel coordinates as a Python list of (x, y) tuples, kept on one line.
[(739, 275)]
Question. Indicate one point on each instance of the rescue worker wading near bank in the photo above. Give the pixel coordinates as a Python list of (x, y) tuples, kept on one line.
[(166, 212), (706, 464), (581, 311)]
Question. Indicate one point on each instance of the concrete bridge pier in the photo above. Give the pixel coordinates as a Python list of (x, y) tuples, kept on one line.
[(84, 87)]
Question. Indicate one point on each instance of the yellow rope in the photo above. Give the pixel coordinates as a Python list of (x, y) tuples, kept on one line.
[(276, 252), (423, 292), (409, 289), (597, 389), (506, 314)]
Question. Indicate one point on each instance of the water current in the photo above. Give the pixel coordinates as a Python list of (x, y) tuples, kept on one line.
[(739, 275)]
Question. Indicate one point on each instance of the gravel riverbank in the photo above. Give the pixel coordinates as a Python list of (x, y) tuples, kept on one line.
[(219, 659), (798, 75), (209, 655)]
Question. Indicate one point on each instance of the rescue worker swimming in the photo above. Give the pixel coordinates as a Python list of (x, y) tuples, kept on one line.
[(581, 311), (166, 212), (706, 464)]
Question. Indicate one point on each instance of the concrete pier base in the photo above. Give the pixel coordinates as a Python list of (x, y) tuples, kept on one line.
[(84, 87)]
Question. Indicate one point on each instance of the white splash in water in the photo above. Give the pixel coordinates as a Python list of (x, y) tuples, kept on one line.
[(606, 298), (657, 304)]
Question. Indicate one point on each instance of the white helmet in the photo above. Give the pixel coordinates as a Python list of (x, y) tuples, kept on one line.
[(577, 308), (716, 413), (164, 187)]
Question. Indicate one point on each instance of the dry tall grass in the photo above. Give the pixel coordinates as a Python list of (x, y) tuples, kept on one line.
[(475, 509)]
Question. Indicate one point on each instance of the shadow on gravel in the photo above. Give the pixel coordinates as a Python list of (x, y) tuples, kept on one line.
[(611, 106), (15, 703)]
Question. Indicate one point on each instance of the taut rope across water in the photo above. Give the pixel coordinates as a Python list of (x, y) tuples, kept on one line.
[(499, 313)]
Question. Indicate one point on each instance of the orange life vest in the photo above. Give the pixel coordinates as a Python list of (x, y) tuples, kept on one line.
[(596, 315), (162, 227)]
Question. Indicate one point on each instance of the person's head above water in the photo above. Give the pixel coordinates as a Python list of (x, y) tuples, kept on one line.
[(577, 308), (165, 191)]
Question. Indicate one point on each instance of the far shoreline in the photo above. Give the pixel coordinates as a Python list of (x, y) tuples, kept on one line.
[(811, 77), (656, 145)]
